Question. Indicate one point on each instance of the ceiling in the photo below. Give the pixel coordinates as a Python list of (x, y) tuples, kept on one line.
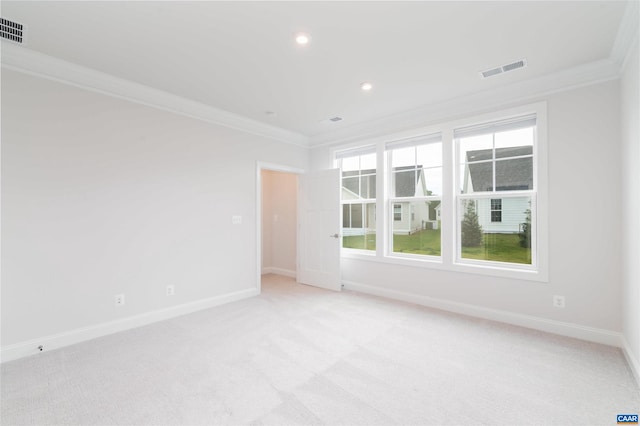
[(241, 57)]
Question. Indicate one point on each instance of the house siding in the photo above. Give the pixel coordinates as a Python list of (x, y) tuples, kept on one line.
[(513, 214)]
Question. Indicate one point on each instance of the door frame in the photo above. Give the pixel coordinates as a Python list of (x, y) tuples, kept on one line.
[(273, 167)]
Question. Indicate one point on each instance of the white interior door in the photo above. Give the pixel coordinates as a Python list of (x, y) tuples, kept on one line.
[(319, 234)]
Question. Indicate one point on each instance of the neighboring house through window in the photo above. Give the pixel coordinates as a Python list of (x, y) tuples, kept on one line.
[(415, 175), (496, 158)]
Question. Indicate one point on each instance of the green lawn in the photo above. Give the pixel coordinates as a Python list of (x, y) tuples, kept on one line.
[(496, 247), (422, 242), (499, 248), (363, 242)]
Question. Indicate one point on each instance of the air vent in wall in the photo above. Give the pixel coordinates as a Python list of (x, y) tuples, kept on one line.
[(10, 30), (504, 68)]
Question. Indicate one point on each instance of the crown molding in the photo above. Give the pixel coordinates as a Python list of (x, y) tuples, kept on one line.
[(583, 75), (627, 34), (27, 61), (21, 59)]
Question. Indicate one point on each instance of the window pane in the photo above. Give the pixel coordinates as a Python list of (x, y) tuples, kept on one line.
[(476, 148), (368, 162), (429, 155), (368, 186), (346, 216), (514, 174), (418, 231), (514, 138), (350, 163), (513, 151), (430, 183), (364, 182), (359, 219), (506, 240), (403, 157), (476, 177), (361, 232), (404, 183), (356, 215), (350, 188)]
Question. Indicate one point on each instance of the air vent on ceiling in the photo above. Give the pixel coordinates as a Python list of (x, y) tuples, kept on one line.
[(335, 119), (504, 68), (10, 30)]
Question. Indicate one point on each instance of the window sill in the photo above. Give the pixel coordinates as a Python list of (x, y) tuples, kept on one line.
[(493, 270)]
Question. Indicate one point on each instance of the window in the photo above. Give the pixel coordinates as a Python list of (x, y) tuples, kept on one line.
[(415, 175), (496, 210), (397, 212), (358, 195), (469, 195), (496, 158)]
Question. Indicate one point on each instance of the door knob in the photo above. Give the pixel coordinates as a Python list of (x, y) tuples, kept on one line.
[(335, 236)]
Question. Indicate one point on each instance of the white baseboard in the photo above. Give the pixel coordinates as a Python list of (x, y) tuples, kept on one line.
[(55, 341), (278, 271), (577, 331), (634, 364)]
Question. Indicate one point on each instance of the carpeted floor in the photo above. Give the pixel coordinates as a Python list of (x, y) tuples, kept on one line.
[(297, 355)]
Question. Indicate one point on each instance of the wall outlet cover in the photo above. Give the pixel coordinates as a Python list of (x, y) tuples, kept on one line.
[(119, 299), (558, 301)]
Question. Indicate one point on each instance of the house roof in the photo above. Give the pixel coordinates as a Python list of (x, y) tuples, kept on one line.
[(353, 185), (511, 173), (406, 180)]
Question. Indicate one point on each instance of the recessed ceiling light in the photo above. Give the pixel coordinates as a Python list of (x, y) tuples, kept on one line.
[(302, 38), (366, 86)]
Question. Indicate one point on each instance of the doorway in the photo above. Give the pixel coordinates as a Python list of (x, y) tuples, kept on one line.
[(277, 221)]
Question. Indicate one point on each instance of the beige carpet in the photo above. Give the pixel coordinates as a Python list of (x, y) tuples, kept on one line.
[(298, 355)]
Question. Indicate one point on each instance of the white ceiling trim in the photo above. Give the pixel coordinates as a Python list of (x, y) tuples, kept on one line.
[(584, 75), (34, 63), (627, 34)]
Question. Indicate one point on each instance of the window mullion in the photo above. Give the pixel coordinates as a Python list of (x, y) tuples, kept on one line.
[(381, 193), (493, 162), (449, 187)]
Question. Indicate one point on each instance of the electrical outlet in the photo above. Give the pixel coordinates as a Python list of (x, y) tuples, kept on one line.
[(119, 299), (558, 301), (171, 290)]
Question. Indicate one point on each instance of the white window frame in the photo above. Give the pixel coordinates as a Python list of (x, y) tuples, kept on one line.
[(353, 151), (391, 199), (449, 213)]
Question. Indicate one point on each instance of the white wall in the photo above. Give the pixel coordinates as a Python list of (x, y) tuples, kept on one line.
[(279, 222), (584, 163), (630, 115), (103, 196)]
